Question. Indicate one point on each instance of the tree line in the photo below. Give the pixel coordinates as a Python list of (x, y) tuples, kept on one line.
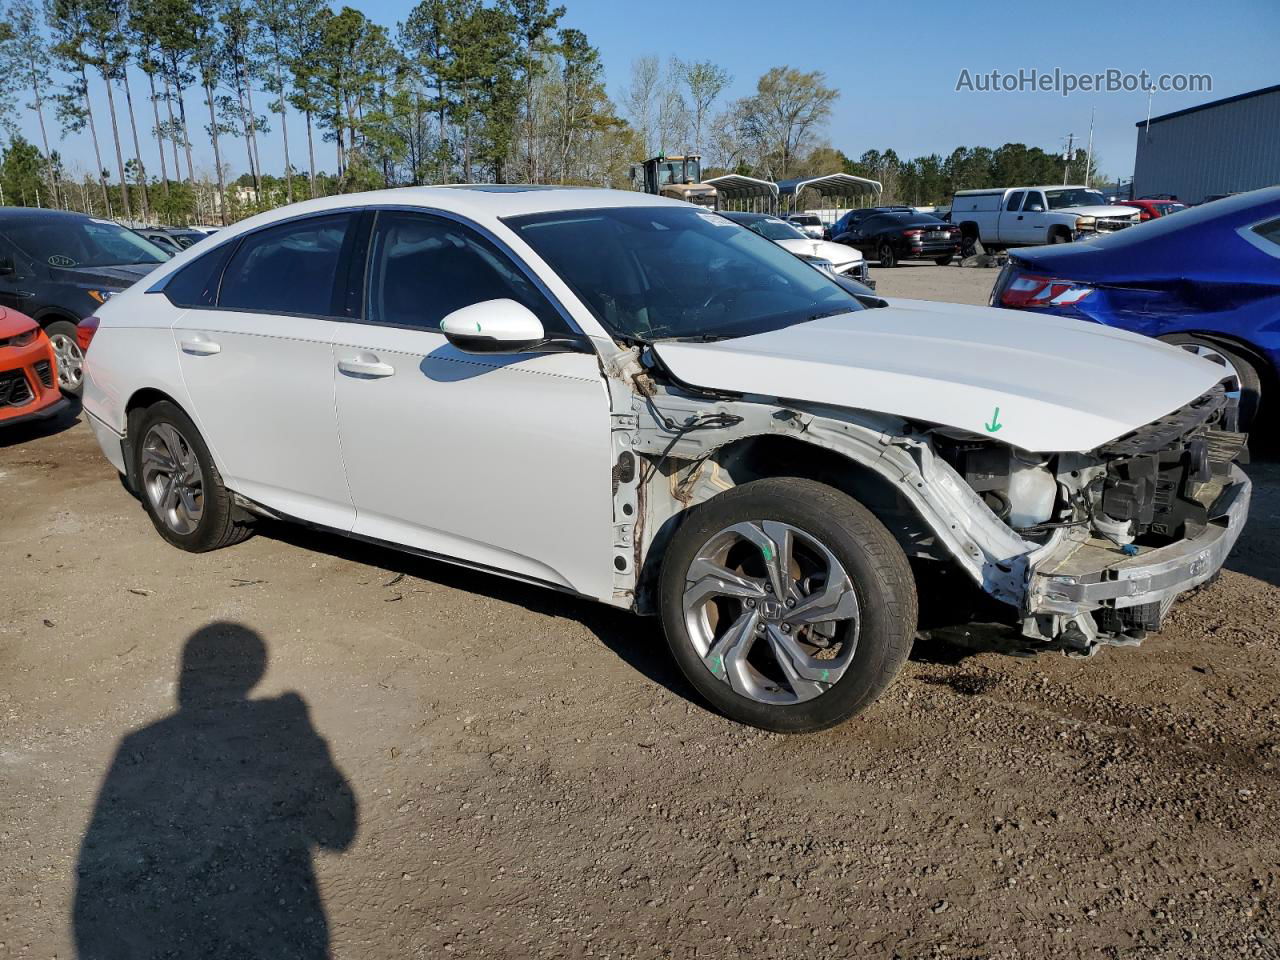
[(460, 91)]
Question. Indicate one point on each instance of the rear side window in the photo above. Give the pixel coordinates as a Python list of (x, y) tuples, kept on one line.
[(422, 268), (1265, 236), (290, 268), (196, 284)]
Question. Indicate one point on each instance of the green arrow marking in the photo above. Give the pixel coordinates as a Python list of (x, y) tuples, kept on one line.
[(995, 423)]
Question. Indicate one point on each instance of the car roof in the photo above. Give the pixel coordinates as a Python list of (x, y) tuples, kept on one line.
[(483, 203), (37, 213)]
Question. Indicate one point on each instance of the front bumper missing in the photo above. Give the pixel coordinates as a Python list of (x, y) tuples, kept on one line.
[(1081, 577)]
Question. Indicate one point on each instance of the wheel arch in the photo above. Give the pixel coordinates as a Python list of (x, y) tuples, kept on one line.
[(1253, 354), (768, 455), (139, 401)]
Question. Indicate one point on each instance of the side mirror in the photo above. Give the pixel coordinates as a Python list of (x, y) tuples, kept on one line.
[(493, 326)]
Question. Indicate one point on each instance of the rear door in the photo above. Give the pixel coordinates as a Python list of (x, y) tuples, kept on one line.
[(501, 461), (258, 366)]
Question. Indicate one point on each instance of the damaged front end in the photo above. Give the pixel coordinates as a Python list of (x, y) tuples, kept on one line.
[(1122, 530), (1087, 548)]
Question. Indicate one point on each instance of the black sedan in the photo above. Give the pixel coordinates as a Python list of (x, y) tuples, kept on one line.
[(903, 235), (58, 267)]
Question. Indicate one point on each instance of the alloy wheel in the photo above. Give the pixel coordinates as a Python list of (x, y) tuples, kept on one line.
[(771, 612), (70, 361), (172, 478)]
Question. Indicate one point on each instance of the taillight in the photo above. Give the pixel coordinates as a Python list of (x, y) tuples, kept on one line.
[(85, 330), (1027, 290), (913, 233)]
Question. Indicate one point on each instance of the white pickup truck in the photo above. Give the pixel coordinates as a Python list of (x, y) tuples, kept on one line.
[(1027, 216)]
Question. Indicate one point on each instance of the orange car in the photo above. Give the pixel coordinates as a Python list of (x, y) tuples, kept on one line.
[(28, 371)]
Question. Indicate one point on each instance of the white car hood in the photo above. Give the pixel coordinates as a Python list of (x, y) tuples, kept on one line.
[(837, 253), (1058, 384), (1099, 210)]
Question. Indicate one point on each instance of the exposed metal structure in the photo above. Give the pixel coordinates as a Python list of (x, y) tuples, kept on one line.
[(746, 193), (1226, 146), (844, 185)]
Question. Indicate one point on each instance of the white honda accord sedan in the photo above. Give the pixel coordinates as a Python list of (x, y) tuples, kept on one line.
[(636, 400)]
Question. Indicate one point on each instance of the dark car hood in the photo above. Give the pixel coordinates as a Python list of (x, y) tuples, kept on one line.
[(117, 277), (1201, 243)]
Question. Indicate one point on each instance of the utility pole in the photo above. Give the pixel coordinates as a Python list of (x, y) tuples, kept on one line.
[(1066, 168), (1088, 162)]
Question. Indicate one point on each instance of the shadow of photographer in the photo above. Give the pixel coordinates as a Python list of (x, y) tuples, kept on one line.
[(203, 834)]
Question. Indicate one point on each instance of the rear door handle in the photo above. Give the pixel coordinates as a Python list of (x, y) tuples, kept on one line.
[(200, 345), (366, 366)]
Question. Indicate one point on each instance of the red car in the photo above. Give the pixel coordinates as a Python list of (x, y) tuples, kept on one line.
[(1152, 209), (28, 371)]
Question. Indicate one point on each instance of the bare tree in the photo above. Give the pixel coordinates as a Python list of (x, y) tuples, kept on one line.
[(788, 107), (705, 81)]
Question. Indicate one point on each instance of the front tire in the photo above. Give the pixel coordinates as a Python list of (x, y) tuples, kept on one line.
[(179, 485), (787, 604), (69, 356)]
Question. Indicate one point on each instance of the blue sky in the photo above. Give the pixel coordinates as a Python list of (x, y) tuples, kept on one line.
[(896, 66)]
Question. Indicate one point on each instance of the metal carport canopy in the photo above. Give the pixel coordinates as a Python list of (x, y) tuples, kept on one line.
[(831, 185), (735, 186)]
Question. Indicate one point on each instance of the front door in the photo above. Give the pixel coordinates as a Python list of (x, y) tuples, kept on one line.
[(500, 461), (258, 366)]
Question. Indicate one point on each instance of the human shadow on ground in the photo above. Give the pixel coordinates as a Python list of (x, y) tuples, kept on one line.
[(203, 833)]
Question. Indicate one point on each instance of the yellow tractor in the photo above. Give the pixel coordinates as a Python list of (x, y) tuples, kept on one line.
[(675, 177)]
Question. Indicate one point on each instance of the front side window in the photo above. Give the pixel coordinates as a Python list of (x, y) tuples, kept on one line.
[(287, 269), (75, 242), (662, 272), (1015, 201), (1034, 202), (422, 268)]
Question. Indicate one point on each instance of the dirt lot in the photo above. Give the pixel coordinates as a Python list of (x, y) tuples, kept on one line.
[(438, 762)]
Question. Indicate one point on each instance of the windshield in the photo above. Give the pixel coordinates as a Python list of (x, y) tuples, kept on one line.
[(678, 171), (1075, 198), (652, 273), (72, 242), (772, 229)]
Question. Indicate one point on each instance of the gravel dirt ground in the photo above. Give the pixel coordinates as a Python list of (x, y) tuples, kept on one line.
[(301, 746)]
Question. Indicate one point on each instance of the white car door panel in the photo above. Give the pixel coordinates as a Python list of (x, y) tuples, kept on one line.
[(263, 397), (258, 366), (502, 461), (498, 461)]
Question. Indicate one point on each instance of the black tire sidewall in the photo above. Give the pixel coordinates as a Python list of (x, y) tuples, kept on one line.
[(884, 639), (1250, 381), (216, 517), (891, 260)]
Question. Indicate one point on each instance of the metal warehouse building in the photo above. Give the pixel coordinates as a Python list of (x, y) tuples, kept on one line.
[(1226, 146)]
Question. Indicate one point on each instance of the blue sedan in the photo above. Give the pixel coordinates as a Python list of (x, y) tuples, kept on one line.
[(1207, 279)]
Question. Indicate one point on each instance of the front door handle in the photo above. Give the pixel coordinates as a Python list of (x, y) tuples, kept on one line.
[(200, 345), (366, 366)]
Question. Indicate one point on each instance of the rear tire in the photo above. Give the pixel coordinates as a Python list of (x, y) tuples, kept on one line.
[(886, 255), (969, 245), (731, 645), (1247, 374), (178, 484), (942, 261)]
